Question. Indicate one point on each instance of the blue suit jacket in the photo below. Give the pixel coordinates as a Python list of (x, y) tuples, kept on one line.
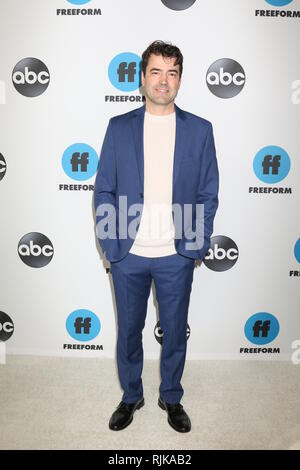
[(195, 178)]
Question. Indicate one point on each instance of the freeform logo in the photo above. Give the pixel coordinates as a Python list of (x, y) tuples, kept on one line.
[(225, 78), (158, 332), (261, 328), (30, 77), (35, 250), (78, 11), (6, 327), (2, 166), (271, 164), (78, 2), (80, 161), (294, 272), (124, 71), (222, 254), (83, 325), (279, 3), (178, 4), (297, 250), (278, 13)]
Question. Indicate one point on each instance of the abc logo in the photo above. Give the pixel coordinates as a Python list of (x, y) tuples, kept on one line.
[(35, 250), (6, 327), (31, 77), (261, 328), (271, 164), (158, 332), (2, 166), (178, 4), (124, 71), (83, 325), (225, 78), (279, 3), (222, 254), (80, 161)]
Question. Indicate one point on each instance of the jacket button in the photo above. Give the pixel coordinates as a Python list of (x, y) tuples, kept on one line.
[(141, 194)]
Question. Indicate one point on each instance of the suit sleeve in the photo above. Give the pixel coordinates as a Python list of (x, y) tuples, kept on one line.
[(208, 188), (105, 184)]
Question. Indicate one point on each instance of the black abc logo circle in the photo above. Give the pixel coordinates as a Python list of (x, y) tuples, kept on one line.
[(35, 250), (6, 327), (158, 332), (178, 4), (222, 254), (225, 78), (30, 77), (2, 166)]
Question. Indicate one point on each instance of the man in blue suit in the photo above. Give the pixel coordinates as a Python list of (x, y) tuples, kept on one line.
[(156, 195)]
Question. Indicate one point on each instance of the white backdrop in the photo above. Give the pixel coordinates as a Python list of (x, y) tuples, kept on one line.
[(35, 131)]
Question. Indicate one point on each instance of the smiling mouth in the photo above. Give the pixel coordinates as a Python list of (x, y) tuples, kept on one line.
[(162, 90)]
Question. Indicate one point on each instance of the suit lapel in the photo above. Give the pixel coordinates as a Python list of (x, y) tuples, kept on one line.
[(180, 142), (137, 125)]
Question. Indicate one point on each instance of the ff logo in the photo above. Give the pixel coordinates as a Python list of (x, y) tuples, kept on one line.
[(158, 332), (279, 3), (225, 78), (6, 327), (2, 166), (83, 325), (178, 4), (297, 250), (222, 254), (35, 250), (78, 2), (124, 71), (271, 164), (261, 328), (31, 77), (80, 161)]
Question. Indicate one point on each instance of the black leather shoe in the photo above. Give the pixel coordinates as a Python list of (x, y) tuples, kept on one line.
[(177, 417), (123, 415)]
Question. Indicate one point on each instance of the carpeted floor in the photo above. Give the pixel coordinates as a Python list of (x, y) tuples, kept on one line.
[(66, 403)]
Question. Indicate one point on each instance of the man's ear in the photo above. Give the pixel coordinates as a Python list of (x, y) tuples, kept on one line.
[(143, 78)]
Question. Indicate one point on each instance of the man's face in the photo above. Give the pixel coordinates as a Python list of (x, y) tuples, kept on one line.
[(161, 81)]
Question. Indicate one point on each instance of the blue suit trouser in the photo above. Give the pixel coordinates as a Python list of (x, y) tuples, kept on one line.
[(132, 278)]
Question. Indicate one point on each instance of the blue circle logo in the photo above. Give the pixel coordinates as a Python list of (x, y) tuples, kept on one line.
[(271, 164), (279, 3), (83, 325), (124, 71), (261, 328), (78, 2), (297, 250), (80, 161)]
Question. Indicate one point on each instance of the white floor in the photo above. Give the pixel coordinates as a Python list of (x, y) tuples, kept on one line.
[(66, 403)]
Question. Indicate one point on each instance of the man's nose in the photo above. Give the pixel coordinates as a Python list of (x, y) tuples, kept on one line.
[(163, 79)]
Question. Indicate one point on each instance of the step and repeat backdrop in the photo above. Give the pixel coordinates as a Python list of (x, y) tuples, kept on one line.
[(67, 67)]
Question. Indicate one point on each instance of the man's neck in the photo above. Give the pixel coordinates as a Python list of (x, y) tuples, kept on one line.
[(159, 110)]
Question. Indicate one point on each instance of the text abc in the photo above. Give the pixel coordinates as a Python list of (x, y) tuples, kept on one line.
[(30, 77), (225, 78)]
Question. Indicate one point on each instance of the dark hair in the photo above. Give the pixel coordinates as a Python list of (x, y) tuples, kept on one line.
[(166, 50)]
